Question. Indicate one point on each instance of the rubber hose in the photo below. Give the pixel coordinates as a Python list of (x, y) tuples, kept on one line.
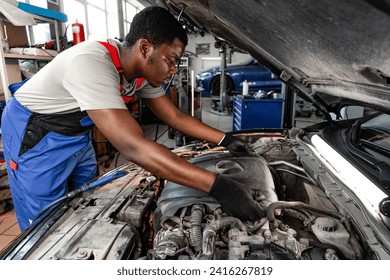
[(195, 227)]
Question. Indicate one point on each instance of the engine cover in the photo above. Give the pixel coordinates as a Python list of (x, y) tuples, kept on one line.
[(251, 171)]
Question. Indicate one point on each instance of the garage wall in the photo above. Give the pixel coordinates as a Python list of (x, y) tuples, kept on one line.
[(106, 27), (102, 20)]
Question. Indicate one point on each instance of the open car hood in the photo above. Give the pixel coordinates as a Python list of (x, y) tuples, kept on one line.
[(325, 188), (330, 53)]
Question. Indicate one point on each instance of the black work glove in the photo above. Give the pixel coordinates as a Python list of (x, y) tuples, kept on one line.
[(233, 144), (235, 199)]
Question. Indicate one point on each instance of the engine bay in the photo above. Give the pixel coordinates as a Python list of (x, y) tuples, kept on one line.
[(300, 222), (140, 216)]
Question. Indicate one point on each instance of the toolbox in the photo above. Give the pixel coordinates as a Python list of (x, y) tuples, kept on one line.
[(249, 113)]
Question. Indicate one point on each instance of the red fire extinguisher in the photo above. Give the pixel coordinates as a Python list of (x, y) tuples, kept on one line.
[(78, 33)]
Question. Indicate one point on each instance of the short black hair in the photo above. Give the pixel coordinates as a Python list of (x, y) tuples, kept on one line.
[(157, 25)]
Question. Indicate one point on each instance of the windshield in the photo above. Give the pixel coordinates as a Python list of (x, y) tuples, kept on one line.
[(375, 138), (369, 142)]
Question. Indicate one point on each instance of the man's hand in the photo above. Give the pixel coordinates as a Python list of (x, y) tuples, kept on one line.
[(233, 143), (235, 199)]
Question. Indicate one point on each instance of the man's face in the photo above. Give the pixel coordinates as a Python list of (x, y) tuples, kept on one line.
[(162, 62)]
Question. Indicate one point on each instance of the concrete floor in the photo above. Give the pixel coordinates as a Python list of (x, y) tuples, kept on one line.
[(9, 228)]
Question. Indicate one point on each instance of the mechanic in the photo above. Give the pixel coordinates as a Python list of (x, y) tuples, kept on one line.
[(46, 125)]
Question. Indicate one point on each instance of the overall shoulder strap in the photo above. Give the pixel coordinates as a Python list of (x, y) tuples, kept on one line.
[(116, 60), (139, 82), (117, 64)]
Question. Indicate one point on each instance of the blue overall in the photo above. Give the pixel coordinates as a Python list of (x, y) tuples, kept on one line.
[(41, 170)]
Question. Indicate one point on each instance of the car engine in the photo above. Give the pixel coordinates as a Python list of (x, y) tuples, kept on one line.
[(300, 222), (140, 216)]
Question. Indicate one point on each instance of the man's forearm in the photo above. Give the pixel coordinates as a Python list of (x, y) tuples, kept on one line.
[(165, 164), (193, 127)]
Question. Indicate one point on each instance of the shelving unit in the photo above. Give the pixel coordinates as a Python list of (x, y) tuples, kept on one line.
[(9, 62), (183, 85), (183, 73)]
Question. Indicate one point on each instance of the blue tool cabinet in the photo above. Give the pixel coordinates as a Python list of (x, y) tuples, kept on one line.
[(249, 113)]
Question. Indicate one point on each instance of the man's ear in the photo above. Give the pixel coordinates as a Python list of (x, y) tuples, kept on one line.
[(145, 47)]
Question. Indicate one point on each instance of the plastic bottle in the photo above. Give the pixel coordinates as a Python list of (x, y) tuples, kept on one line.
[(245, 88)]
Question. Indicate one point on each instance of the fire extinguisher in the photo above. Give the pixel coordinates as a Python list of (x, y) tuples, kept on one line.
[(78, 33)]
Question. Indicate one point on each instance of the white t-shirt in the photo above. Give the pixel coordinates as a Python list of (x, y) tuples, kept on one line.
[(81, 78)]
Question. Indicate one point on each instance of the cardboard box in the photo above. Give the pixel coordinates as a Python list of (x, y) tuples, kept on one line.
[(13, 73), (17, 35)]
